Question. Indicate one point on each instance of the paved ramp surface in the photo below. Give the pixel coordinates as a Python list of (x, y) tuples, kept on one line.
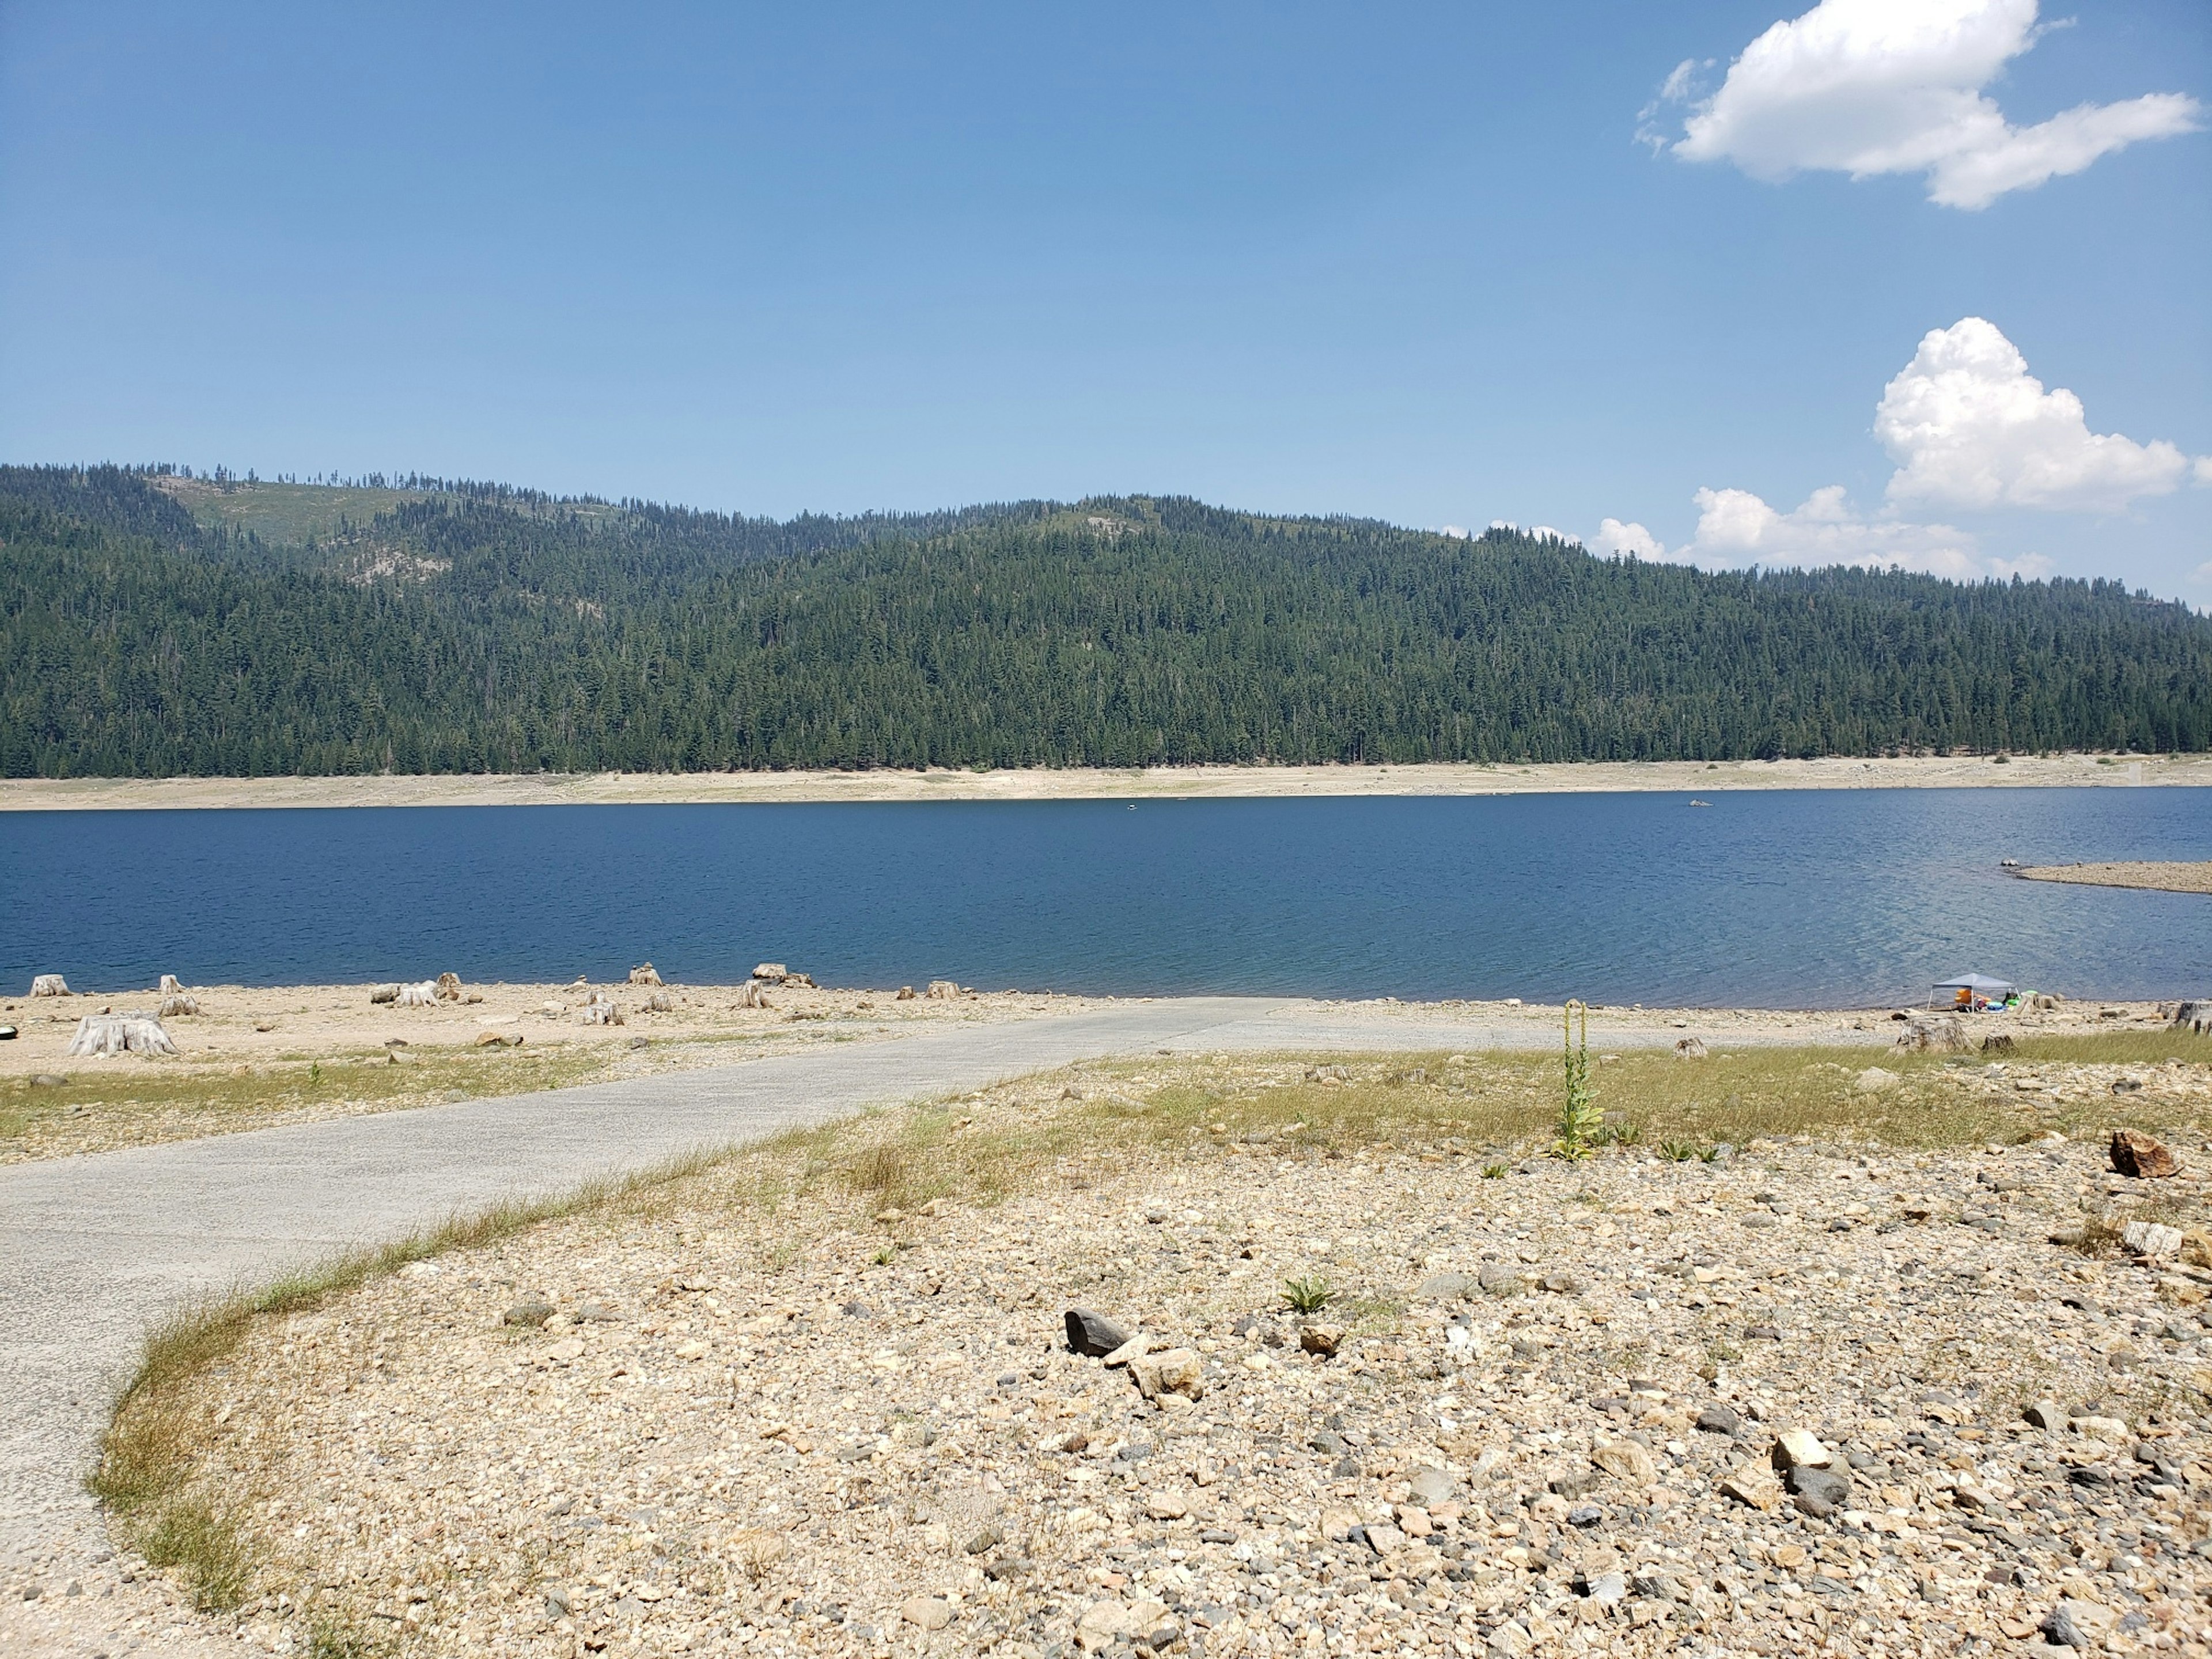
[(95, 1249)]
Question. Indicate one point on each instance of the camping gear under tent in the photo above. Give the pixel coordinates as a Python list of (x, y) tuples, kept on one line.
[(1975, 986)]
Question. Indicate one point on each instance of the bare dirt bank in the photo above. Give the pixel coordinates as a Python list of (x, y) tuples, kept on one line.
[(2165, 877), (1165, 782)]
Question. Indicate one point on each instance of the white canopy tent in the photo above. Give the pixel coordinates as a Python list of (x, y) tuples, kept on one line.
[(1975, 985)]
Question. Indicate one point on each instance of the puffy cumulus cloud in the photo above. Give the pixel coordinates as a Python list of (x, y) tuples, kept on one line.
[(1868, 86), (1970, 426), (1737, 527), (1633, 540)]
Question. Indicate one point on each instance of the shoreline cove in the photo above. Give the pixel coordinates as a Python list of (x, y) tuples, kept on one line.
[(1159, 782)]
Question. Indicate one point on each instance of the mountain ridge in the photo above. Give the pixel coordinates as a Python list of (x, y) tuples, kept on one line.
[(148, 628)]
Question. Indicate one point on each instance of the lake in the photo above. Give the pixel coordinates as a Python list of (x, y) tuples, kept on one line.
[(1783, 898)]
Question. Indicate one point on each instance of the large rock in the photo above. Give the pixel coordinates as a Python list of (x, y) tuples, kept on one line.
[(1823, 1486), (2143, 1156), (1801, 1447), (2151, 1238), (1627, 1461), (1093, 1334), (2074, 1623), (1430, 1487), (1750, 1483), (1176, 1370), (926, 1611)]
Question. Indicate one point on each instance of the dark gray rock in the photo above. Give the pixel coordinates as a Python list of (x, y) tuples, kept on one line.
[(1093, 1334), (1824, 1484), (1717, 1419)]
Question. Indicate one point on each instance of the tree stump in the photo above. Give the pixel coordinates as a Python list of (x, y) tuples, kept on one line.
[(424, 995), (448, 988), (120, 1034), (384, 994), (751, 997), (49, 985), (643, 974), (172, 1006), (168, 987)]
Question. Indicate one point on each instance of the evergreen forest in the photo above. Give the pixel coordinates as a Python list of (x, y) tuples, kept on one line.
[(156, 624)]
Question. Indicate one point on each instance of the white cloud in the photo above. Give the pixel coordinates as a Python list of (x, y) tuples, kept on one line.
[(1456, 531), (1970, 426), (1869, 87), (1737, 527), (1615, 539), (1540, 531)]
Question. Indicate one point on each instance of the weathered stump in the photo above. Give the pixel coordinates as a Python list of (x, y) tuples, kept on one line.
[(448, 988), (49, 985), (424, 995), (120, 1034), (643, 974)]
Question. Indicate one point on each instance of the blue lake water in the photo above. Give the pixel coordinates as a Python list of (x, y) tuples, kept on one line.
[(1814, 898)]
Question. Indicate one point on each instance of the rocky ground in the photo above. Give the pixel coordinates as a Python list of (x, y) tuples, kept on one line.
[(1829, 1394)]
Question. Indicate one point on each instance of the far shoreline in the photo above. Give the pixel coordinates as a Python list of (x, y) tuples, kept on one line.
[(1145, 783)]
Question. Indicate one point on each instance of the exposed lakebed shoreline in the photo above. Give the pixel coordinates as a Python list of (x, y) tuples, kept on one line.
[(255, 1058), (1158, 783), (820, 1398)]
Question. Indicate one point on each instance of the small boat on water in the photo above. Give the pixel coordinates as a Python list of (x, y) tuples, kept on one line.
[(1694, 801)]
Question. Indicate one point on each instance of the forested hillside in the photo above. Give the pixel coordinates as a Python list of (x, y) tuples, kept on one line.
[(147, 630)]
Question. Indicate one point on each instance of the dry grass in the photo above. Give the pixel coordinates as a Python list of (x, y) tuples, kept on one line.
[(149, 1455), (142, 1102), (1500, 1107)]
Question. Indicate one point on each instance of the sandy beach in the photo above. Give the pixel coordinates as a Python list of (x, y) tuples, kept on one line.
[(2167, 877), (1159, 782)]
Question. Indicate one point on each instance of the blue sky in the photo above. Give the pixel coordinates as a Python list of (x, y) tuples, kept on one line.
[(1408, 261)]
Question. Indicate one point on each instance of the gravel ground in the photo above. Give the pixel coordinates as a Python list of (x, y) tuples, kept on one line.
[(769, 1411)]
